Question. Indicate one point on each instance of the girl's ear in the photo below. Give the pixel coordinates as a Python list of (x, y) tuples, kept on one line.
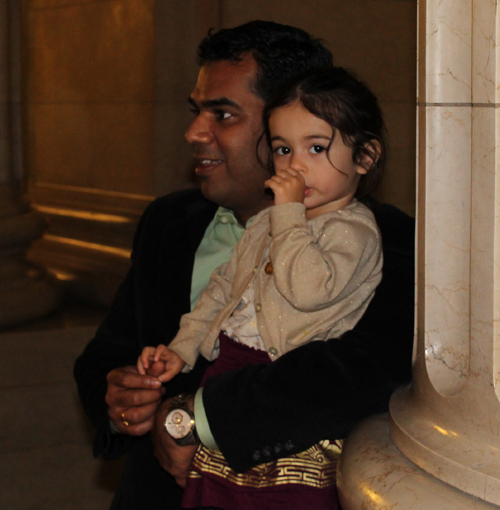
[(369, 157)]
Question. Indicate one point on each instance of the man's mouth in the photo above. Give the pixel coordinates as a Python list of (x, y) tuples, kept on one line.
[(205, 165), (307, 192)]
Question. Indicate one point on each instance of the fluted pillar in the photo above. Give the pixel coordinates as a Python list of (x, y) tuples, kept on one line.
[(439, 447), (25, 290)]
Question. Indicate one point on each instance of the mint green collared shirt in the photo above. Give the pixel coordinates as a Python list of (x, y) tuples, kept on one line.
[(215, 249)]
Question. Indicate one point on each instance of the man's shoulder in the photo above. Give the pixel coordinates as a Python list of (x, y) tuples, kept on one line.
[(397, 227)]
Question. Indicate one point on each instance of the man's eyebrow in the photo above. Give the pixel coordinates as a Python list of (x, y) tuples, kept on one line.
[(213, 103)]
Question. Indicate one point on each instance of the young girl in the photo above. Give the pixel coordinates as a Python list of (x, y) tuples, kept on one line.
[(304, 271)]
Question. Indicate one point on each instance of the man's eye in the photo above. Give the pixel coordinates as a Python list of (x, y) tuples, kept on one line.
[(222, 115), (317, 149), (282, 151)]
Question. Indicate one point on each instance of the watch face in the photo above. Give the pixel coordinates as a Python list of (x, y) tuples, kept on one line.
[(179, 423)]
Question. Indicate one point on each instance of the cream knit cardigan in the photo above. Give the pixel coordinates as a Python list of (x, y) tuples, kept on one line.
[(325, 272)]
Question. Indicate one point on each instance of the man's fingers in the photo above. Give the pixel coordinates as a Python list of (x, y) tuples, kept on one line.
[(117, 397), (129, 378), (136, 415), (124, 424)]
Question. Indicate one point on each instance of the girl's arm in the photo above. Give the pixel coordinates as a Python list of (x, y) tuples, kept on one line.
[(315, 271), (194, 326)]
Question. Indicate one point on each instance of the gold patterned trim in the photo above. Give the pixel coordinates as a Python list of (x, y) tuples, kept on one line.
[(315, 467)]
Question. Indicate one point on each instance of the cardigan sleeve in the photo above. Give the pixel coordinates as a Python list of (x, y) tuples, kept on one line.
[(195, 326), (313, 271)]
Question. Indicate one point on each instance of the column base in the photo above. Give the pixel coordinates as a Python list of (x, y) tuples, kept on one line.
[(28, 295), (27, 292), (373, 474)]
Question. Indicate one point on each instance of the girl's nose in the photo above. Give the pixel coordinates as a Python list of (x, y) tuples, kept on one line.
[(199, 131), (298, 164)]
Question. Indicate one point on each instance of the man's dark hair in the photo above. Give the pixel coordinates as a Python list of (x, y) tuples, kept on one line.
[(280, 51)]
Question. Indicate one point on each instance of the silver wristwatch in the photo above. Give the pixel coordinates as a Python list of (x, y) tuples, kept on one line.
[(180, 423)]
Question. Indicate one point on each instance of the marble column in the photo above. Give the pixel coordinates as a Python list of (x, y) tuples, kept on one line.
[(25, 290), (439, 447)]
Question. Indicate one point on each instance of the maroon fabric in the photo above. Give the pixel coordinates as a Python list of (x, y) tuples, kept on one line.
[(214, 490), (233, 356), (207, 493)]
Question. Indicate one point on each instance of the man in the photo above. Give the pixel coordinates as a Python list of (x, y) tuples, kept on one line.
[(262, 412)]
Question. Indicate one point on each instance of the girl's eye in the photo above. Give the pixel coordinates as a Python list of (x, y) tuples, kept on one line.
[(282, 151), (317, 149)]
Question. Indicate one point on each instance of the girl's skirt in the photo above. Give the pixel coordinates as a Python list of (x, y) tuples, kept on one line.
[(300, 481)]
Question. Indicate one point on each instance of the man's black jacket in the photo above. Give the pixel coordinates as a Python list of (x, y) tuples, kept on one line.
[(318, 391)]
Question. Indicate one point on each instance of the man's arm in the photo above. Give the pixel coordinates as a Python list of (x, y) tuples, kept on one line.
[(321, 390), (146, 311), (108, 382)]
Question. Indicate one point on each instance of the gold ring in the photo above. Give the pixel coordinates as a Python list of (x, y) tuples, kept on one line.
[(125, 422)]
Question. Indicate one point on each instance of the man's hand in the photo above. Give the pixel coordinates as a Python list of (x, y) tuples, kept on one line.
[(172, 458), (133, 398)]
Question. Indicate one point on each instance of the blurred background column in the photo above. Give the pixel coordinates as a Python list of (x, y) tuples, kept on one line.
[(25, 290), (440, 446)]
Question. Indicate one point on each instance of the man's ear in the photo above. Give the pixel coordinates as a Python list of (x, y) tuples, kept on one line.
[(370, 157)]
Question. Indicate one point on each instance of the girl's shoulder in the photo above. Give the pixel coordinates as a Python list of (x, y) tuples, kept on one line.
[(354, 219), (355, 211)]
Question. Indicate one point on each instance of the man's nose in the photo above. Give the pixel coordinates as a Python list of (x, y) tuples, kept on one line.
[(199, 131)]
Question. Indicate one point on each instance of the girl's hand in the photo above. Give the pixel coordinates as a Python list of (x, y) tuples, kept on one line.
[(173, 363), (288, 186), (146, 357)]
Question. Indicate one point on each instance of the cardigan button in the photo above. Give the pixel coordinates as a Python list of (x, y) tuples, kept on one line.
[(272, 351), (266, 451), (256, 455), (258, 307), (278, 448), (289, 446), (269, 268)]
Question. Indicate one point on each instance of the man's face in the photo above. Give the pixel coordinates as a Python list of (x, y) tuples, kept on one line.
[(224, 136)]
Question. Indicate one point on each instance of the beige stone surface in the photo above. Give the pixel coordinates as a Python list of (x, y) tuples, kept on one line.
[(448, 25), (374, 475), (447, 243), (106, 146), (91, 51), (90, 94)]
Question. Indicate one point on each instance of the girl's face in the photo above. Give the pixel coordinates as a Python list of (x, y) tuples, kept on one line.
[(300, 141)]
